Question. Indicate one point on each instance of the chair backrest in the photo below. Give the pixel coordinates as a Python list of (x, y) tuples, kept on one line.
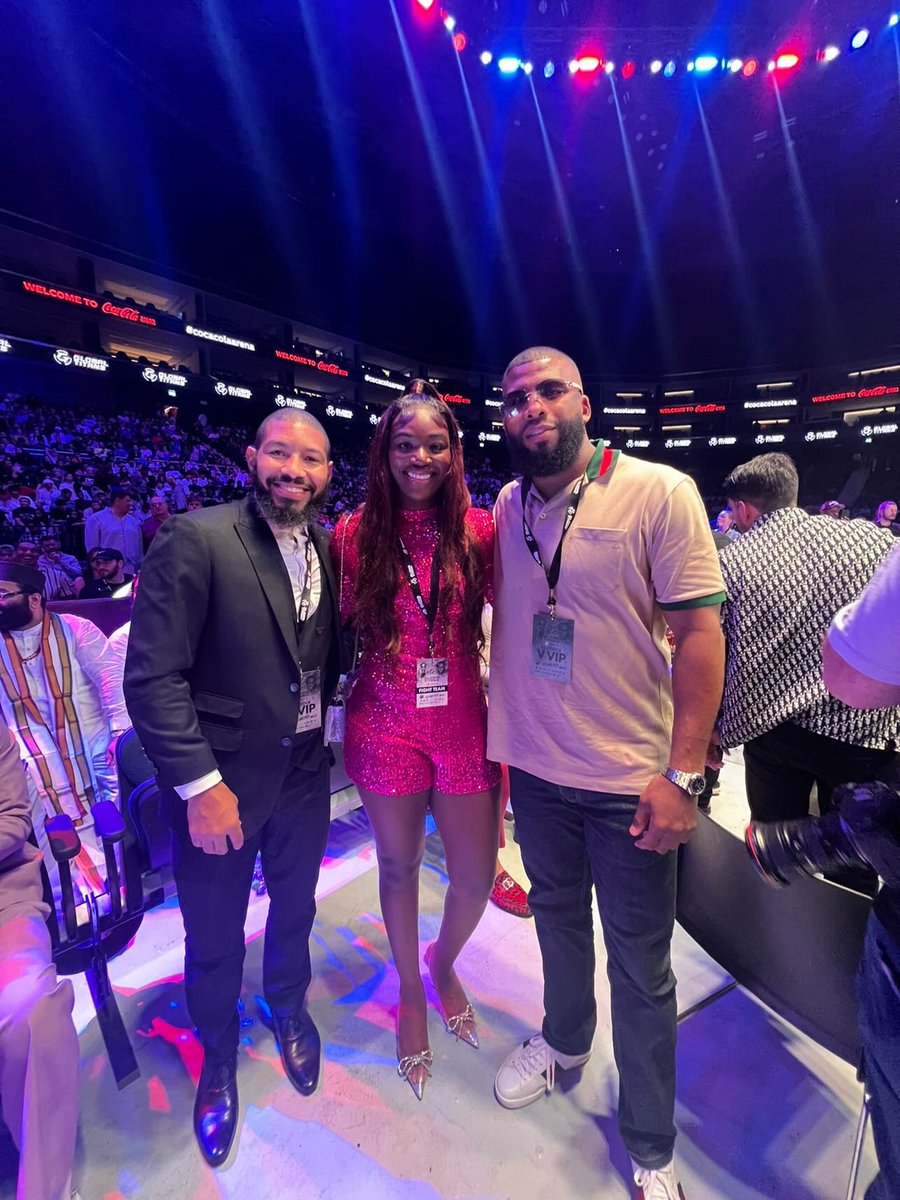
[(107, 614), (796, 948), (132, 763), (147, 818)]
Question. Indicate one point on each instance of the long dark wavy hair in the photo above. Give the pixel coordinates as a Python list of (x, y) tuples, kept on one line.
[(381, 570)]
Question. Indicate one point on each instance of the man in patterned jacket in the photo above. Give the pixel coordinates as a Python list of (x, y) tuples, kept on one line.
[(786, 577)]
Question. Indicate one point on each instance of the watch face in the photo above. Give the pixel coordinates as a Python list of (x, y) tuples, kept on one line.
[(696, 785)]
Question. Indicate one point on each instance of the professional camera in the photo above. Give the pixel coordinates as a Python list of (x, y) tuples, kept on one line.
[(863, 831)]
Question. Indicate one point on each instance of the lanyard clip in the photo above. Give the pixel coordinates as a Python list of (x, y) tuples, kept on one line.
[(551, 604)]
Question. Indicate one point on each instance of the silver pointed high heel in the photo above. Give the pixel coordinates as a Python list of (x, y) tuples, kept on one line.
[(462, 1024), (424, 1058)]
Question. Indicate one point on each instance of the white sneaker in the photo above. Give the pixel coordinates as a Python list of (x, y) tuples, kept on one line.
[(530, 1072), (662, 1184)]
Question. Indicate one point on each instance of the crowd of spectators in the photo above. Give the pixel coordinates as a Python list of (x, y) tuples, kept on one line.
[(73, 483)]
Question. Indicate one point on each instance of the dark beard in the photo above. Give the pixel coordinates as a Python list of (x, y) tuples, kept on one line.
[(288, 518), (542, 462), (16, 618)]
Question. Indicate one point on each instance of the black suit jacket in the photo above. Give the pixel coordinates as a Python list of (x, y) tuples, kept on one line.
[(212, 669)]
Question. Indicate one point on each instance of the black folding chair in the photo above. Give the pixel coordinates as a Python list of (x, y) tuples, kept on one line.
[(89, 931)]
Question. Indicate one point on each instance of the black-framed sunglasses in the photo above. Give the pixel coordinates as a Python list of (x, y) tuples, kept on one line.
[(549, 390)]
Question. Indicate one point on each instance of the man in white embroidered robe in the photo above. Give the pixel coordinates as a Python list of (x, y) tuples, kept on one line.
[(61, 696)]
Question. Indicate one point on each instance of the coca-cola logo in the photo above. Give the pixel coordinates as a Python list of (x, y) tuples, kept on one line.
[(881, 390), (126, 313)]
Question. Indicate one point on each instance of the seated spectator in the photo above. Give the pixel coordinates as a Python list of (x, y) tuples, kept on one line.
[(725, 525), (831, 508), (61, 698), (107, 575), (195, 501), (46, 493), (63, 507), (26, 516), (38, 1043), (52, 559), (7, 552), (57, 583), (159, 512), (886, 517)]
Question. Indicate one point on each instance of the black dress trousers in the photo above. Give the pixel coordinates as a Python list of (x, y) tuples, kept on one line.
[(214, 891)]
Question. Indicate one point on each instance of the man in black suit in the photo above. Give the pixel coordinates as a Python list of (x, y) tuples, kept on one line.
[(234, 647)]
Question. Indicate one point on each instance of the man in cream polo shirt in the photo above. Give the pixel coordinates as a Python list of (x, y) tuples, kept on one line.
[(605, 745)]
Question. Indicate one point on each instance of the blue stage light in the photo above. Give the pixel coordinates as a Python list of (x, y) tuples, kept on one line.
[(486, 58), (859, 39), (549, 69), (704, 63), (893, 20), (508, 65), (669, 69)]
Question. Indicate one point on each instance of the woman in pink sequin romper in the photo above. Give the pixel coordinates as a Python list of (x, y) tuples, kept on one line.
[(414, 564)]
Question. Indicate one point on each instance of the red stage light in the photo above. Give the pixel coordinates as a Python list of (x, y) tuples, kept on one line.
[(460, 41), (787, 61), (589, 63), (750, 67), (425, 4), (628, 70)]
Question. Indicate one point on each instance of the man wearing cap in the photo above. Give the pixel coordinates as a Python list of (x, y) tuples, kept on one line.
[(107, 568), (596, 553), (115, 528), (59, 695), (46, 494)]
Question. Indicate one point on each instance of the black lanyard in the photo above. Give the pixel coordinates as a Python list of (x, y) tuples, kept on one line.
[(306, 592), (429, 610), (552, 574)]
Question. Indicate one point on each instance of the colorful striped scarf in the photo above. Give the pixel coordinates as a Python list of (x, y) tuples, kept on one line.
[(64, 729)]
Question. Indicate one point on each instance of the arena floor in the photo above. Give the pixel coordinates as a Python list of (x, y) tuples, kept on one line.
[(762, 1112)]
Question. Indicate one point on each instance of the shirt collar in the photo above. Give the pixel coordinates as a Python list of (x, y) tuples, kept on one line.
[(293, 536), (778, 515)]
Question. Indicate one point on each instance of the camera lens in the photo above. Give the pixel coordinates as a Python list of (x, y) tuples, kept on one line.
[(782, 849)]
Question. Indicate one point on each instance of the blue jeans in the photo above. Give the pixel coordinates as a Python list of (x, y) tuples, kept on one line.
[(879, 1023), (570, 840)]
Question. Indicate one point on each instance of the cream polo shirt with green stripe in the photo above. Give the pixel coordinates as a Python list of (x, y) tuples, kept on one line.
[(640, 545)]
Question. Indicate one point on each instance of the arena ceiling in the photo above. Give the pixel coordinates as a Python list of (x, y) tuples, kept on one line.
[(341, 162)]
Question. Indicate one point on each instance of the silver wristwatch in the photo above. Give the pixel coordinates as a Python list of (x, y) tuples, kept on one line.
[(688, 781)]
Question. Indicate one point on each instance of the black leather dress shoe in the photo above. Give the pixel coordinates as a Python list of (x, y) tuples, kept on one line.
[(216, 1112), (301, 1051)]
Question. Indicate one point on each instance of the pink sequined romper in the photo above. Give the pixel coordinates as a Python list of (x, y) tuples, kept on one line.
[(392, 747)]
